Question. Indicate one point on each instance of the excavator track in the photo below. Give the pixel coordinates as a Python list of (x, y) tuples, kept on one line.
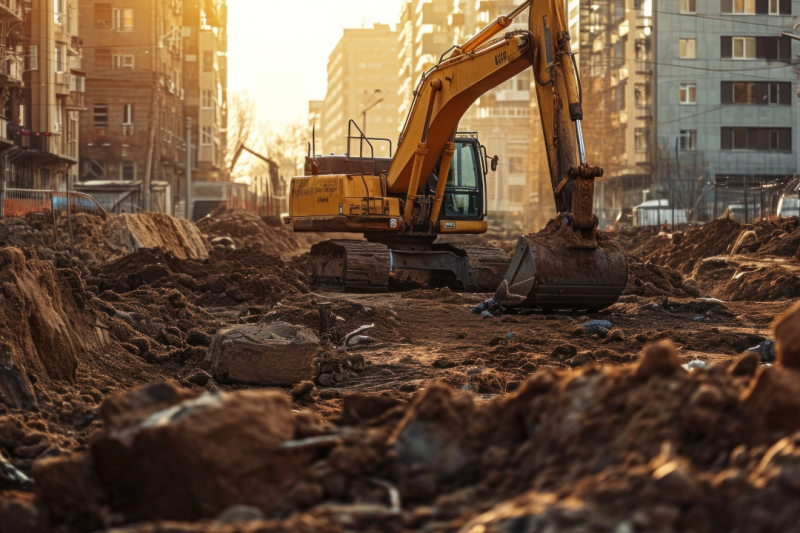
[(487, 265), (357, 266), (341, 265)]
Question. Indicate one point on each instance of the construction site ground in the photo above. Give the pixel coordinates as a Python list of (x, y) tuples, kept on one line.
[(140, 299)]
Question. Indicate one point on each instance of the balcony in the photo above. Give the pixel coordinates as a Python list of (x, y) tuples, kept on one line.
[(19, 135), (11, 8), (12, 66)]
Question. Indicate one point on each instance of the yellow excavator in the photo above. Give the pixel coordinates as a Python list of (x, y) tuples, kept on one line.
[(435, 184)]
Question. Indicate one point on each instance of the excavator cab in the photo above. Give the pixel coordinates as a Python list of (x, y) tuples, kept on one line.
[(465, 193)]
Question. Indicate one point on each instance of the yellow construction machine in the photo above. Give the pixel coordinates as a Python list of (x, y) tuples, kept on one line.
[(435, 184)]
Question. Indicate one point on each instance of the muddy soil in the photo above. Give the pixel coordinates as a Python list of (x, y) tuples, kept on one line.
[(121, 323)]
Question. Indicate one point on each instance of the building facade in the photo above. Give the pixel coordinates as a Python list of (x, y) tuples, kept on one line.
[(205, 76), (726, 95), (362, 86), (41, 81)]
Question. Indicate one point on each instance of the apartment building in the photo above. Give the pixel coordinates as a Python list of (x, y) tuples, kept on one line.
[(132, 142), (726, 95), (616, 41), (426, 30), (205, 75), (41, 81), (362, 86)]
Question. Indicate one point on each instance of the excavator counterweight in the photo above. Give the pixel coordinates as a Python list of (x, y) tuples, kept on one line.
[(435, 185)]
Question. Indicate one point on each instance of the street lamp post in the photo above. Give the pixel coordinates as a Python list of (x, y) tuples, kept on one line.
[(367, 108)]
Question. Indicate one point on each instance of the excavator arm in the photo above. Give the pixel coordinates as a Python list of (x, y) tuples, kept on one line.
[(448, 90)]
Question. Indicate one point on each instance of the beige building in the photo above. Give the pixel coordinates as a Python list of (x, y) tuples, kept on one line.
[(41, 105), (362, 86)]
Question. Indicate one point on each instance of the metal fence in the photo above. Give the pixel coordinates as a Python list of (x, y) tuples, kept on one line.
[(19, 203)]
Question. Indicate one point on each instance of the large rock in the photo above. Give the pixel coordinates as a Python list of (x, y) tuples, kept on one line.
[(196, 458), (278, 354)]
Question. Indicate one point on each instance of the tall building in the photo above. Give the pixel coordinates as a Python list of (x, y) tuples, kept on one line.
[(362, 86), (205, 75), (132, 131), (40, 106), (502, 119), (726, 96), (425, 31), (616, 43)]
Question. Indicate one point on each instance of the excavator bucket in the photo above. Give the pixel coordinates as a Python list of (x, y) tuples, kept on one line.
[(559, 268)]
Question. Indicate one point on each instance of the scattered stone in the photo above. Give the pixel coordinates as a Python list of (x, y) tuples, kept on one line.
[(695, 365), (565, 350), (691, 287), (616, 335), (302, 389), (659, 358), (238, 514), (765, 351)]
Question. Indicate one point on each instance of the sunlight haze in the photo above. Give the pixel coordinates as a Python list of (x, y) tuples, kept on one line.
[(278, 50)]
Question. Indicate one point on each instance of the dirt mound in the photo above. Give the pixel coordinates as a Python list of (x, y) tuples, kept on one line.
[(696, 451), (226, 279), (715, 238), (98, 239), (763, 284), (649, 279), (248, 230)]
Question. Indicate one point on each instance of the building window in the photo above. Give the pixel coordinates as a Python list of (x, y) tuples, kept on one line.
[(744, 48), (61, 58), (688, 93), (774, 7), (127, 171), (740, 139), (688, 49), (33, 57), (744, 7), (516, 165), (774, 94), (208, 61), (208, 136), (123, 61), (59, 11), (744, 93), (774, 140), (208, 99), (122, 19), (127, 119), (688, 6), (516, 194), (102, 16), (101, 115), (688, 139), (641, 140)]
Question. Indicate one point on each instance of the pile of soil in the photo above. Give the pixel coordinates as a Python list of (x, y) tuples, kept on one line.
[(226, 279), (248, 230), (764, 284), (646, 447), (649, 279), (99, 239)]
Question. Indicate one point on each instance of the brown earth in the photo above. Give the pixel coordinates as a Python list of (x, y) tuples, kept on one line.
[(548, 427)]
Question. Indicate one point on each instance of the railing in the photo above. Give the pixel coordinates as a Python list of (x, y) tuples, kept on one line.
[(19, 203), (12, 64), (12, 6), (19, 135)]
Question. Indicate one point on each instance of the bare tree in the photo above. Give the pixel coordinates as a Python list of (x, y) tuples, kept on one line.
[(242, 130)]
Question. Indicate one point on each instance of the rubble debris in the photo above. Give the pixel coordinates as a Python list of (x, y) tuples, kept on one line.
[(695, 364), (276, 354), (765, 351), (766, 283)]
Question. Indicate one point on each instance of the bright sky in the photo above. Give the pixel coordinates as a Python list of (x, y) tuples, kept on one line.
[(278, 49)]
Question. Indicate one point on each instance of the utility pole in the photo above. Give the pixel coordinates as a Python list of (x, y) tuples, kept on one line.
[(189, 168)]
